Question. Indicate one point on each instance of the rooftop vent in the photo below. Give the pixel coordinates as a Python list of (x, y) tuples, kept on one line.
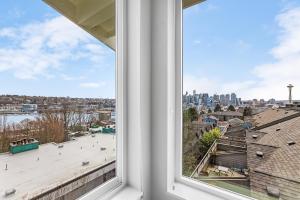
[(273, 191), (10, 192), (291, 143), (259, 154), (278, 129), (84, 163), (254, 136)]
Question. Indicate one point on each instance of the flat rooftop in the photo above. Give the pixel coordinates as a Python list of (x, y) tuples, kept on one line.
[(37, 171)]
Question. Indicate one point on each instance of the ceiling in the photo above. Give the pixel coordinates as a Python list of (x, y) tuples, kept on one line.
[(95, 16)]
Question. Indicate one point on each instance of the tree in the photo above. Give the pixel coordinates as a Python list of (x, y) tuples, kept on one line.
[(189, 164), (209, 110), (217, 108), (208, 139), (247, 111), (231, 108), (193, 113), (190, 115)]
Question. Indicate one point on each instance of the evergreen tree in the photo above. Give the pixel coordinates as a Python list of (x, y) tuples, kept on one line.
[(217, 108), (231, 108), (247, 111)]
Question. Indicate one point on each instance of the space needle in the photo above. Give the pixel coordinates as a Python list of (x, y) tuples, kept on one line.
[(290, 86)]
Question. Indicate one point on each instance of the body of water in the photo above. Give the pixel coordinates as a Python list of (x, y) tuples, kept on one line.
[(17, 118)]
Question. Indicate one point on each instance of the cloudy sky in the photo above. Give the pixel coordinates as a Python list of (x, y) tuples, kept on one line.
[(248, 47), (251, 48), (43, 53)]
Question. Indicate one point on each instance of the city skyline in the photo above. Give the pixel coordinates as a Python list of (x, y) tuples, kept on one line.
[(230, 93), (62, 61)]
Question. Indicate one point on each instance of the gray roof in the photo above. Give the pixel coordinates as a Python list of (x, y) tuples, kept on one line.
[(228, 113), (37, 171), (270, 115), (285, 160)]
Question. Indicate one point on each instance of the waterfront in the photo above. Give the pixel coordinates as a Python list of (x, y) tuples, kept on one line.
[(17, 118), (10, 119)]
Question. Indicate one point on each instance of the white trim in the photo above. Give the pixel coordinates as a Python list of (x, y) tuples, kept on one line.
[(116, 184), (127, 193), (179, 185), (108, 188), (178, 88), (121, 80)]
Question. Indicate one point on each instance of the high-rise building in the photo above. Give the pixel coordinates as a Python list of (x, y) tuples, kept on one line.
[(196, 99), (216, 97), (227, 99), (239, 101), (272, 101), (233, 99), (210, 102), (222, 99), (205, 97)]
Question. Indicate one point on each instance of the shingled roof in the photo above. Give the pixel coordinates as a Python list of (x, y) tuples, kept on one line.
[(271, 115), (284, 162)]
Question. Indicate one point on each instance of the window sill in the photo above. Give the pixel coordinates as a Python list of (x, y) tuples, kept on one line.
[(126, 193), (195, 191), (184, 192)]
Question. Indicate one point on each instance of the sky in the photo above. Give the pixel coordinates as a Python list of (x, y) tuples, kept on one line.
[(251, 48), (43, 53)]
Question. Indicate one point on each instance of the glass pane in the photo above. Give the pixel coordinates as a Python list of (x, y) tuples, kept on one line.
[(241, 92), (57, 98)]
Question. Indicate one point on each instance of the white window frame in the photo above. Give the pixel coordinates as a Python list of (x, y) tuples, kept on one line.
[(178, 185), (114, 185)]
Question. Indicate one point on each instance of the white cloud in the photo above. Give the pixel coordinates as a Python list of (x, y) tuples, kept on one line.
[(200, 84), (91, 85), (71, 78), (286, 68), (38, 47), (197, 42), (269, 79), (7, 32)]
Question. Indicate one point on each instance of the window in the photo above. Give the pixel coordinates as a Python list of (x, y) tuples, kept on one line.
[(60, 113), (240, 96)]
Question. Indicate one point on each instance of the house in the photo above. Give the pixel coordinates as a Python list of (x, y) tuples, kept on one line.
[(210, 119), (274, 160), (227, 115)]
